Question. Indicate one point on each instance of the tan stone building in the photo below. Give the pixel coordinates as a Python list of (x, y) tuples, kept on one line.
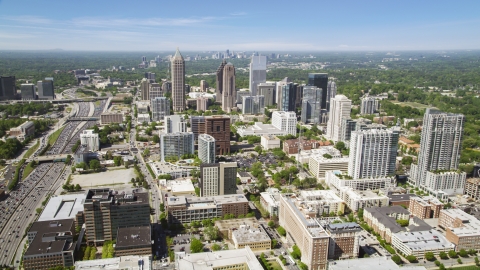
[(254, 237), (134, 241), (109, 118), (461, 229), (472, 188), (344, 240)]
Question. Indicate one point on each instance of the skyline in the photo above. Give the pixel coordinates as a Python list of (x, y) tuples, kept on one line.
[(249, 26)]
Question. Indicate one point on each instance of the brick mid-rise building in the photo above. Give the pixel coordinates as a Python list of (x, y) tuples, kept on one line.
[(461, 229), (219, 128), (426, 207)]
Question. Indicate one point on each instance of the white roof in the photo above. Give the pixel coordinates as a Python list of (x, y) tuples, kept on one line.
[(63, 207)]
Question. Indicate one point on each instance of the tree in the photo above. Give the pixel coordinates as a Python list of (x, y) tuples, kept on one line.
[(477, 262), (296, 253), (397, 259), (402, 222), (94, 164), (459, 261), (156, 139), (452, 254), (429, 256), (78, 187), (271, 224), (360, 213), (216, 247), (274, 243), (411, 258), (437, 263), (443, 255), (196, 246), (463, 253), (281, 231), (211, 232), (340, 146)]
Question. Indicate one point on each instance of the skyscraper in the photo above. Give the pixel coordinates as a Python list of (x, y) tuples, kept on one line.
[(440, 145), (278, 91), (331, 92), (229, 93), (253, 105), (219, 90), (340, 108), (320, 80), (286, 121), (287, 97), (258, 72), (45, 89), (175, 145), (178, 82), (28, 91), (311, 102), (7, 87), (203, 103), (218, 179), (206, 148), (145, 89), (373, 153), (218, 127), (268, 91), (369, 105), (160, 108), (155, 91)]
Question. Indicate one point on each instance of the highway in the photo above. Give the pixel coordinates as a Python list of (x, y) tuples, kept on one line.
[(18, 209)]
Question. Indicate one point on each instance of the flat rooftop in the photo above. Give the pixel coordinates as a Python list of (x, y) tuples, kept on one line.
[(63, 207), (384, 263), (471, 224), (217, 259), (123, 262), (400, 197), (235, 223), (133, 236), (249, 234), (424, 240)]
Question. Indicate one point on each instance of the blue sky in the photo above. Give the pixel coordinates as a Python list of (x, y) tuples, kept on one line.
[(158, 25)]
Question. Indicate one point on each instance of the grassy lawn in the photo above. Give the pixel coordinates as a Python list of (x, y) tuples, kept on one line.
[(275, 265), (53, 138), (412, 104), (469, 267), (28, 169), (32, 149)]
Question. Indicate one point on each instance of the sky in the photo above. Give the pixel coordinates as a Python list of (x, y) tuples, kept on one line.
[(209, 25)]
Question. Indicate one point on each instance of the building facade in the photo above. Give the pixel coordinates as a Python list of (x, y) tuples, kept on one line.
[(258, 72), (229, 92), (311, 104), (218, 127), (426, 207), (8, 90), (203, 103), (369, 105), (253, 105), (46, 90), (339, 108), (206, 148), (178, 82), (175, 123), (218, 179), (219, 79), (268, 91), (90, 139), (160, 107), (285, 121), (175, 145), (111, 118), (320, 80), (28, 91)]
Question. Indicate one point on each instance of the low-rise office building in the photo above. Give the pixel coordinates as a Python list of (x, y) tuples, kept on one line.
[(269, 200), (227, 226), (336, 180), (185, 210), (356, 199), (270, 142), (320, 164), (461, 228), (241, 259), (384, 263), (117, 263), (69, 206), (135, 240), (260, 129), (111, 118), (50, 244), (426, 207), (418, 243), (472, 188), (254, 237), (22, 131)]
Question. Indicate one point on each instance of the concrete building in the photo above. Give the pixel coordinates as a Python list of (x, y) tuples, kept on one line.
[(117, 263), (254, 237), (317, 203), (340, 107), (472, 188), (331, 93), (286, 96), (176, 171), (203, 103), (197, 125), (142, 118), (160, 108), (285, 121), (420, 242), (90, 139), (336, 180), (145, 89), (8, 90), (270, 201), (319, 165), (178, 82), (218, 179), (461, 228), (155, 91), (240, 95), (269, 142), (179, 187), (253, 105), (175, 123), (320, 80), (373, 153), (268, 91), (238, 259), (219, 78), (203, 86), (143, 106), (107, 210), (350, 125), (440, 147), (260, 129), (369, 105), (401, 199), (356, 199), (46, 90), (344, 240), (175, 145), (183, 209), (50, 244), (309, 235), (258, 72), (63, 207), (111, 118), (206, 148), (229, 92), (384, 263), (311, 104), (135, 240), (28, 91), (294, 146), (426, 207), (444, 183), (22, 131)]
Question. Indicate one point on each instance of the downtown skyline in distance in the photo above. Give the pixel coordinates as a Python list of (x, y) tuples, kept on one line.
[(246, 26)]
